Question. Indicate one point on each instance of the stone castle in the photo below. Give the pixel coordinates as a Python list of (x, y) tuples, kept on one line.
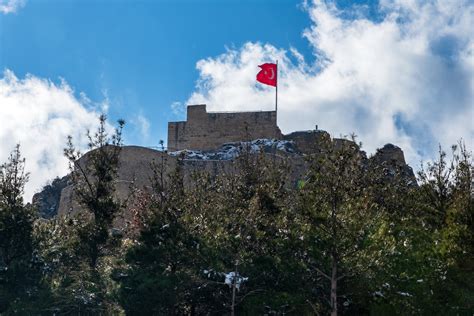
[(209, 130), (210, 141)]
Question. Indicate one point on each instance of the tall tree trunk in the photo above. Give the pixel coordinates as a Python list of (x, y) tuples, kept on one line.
[(234, 285), (334, 286), (334, 257)]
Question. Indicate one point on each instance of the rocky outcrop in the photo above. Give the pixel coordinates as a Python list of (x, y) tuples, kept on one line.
[(392, 160), (136, 166), (48, 200), (307, 142), (231, 151), (391, 154)]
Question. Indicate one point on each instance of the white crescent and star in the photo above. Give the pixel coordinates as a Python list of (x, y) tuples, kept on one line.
[(272, 76)]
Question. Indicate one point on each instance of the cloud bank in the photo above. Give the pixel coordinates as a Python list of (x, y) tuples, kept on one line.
[(404, 77), (11, 6), (38, 115)]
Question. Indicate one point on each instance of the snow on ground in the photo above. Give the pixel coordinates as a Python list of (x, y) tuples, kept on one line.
[(230, 151), (232, 277)]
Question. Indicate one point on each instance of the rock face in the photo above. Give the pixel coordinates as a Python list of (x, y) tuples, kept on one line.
[(307, 141), (210, 142), (392, 159), (135, 171), (231, 151), (47, 201), (136, 166), (390, 153)]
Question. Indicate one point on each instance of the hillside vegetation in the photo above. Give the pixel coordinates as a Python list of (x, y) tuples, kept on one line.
[(349, 239)]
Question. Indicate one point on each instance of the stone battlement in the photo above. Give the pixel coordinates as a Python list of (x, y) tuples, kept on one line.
[(209, 130), (204, 134)]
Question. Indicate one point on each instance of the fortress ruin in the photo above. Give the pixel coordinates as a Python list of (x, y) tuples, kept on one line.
[(209, 130), (207, 137)]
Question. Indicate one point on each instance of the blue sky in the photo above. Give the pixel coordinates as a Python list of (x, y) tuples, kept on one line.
[(390, 71), (141, 54)]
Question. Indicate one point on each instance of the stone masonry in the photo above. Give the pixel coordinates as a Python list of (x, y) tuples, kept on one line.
[(209, 130)]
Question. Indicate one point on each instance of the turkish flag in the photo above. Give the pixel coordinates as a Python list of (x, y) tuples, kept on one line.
[(268, 74)]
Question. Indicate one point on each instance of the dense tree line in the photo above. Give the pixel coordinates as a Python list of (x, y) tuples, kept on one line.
[(350, 238)]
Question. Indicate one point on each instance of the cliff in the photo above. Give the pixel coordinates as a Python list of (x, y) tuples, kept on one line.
[(135, 167), (210, 141)]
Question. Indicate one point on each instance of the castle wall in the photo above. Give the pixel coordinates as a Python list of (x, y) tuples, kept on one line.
[(208, 131), (136, 170)]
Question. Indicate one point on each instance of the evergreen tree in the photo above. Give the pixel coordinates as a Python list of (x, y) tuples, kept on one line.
[(446, 200), (422, 249), (355, 237), (337, 216), (79, 282), (162, 264), (399, 259), (18, 269), (94, 184), (242, 215)]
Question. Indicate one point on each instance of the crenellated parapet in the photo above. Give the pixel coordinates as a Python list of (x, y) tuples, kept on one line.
[(209, 130)]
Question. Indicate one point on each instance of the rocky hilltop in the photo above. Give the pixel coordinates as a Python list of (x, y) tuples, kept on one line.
[(135, 167), (210, 142)]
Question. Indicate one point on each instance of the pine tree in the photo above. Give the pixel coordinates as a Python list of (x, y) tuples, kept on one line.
[(337, 216), (446, 200), (423, 247), (242, 215), (94, 184), (18, 269), (88, 244), (162, 264)]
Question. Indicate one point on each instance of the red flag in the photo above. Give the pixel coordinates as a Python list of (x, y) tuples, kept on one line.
[(268, 74)]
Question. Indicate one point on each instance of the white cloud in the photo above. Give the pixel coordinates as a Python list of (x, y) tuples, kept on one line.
[(178, 109), (105, 104), (11, 6), (405, 79), (39, 115), (143, 126)]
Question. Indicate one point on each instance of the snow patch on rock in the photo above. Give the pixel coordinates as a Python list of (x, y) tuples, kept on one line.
[(231, 151)]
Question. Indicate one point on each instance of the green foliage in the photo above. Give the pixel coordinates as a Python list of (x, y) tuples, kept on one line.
[(162, 265), (425, 266), (446, 195), (78, 249), (18, 267), (338, 213), (390, 247), (243, 217), (94, 183), (352, 237)]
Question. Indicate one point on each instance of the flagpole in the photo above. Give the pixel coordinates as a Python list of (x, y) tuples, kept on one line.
[(276, 94)]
